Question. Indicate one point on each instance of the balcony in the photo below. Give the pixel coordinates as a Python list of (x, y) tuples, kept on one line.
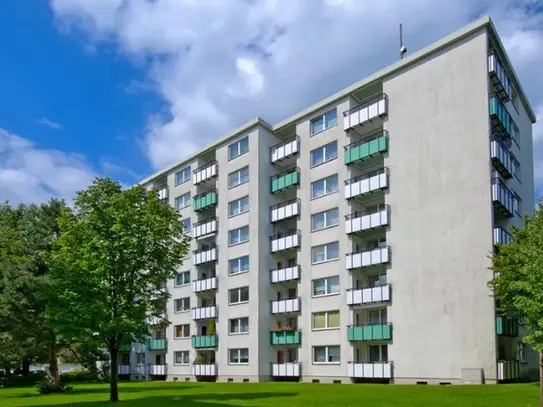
[(286, 369), (204, 370), (369, 370), (204, 341), (367, 183), (502, 159), (157, 370), (285, 149), (205, 255), (367, 220), (286, 337), (506, 326), (499, 78), (370, 109), (205, 173), (206, 284), (285, 241), (126, 348), (365, 333), (503, 198), (370, 295), (284, 180), (366, 148), (285, 210), (157, 344), (285, 274), (285, 306), (204, 201), (123, 370), (205, 228), (204, 312), (502, 123), (501, 236), (508, 370), (368, 258)]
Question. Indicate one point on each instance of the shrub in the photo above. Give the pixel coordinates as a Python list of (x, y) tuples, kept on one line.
[(48, 386), (23, 381), (77, 376)]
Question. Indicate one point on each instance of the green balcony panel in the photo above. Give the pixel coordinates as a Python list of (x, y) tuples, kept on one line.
[(366, 149), (205, 201), (156, 344), (204, 341), (370, 332), (506, 326), (286, 338), (126, 348), (502, 116), (285, 181)]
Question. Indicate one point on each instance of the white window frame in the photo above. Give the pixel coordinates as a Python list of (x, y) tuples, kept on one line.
[(325, 182), (183, 329), (327, 355), (187, 229), (140, 358), (237, 146), (239, 352), (238, 260), (327, 291), (326, 319), (183, 173), (325, 214), (237, 203), (238, 232), (239, 290), (238, 321), (324, 154), (183, 198), (184, 273), (326, 245), (185, 356), (239, 180), (325, 125), (184, 301)]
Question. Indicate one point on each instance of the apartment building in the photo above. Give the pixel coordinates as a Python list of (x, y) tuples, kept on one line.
[(350, 242)]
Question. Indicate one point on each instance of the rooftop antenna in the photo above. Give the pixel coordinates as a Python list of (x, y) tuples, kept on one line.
[(403, 48)]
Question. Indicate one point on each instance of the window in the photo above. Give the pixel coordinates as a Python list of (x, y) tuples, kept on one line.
[(325, 252), (239, 265), (182, 201), (182, 278), (238, 206), (140, 358), (185, 225), (515, 133), (237, 236), (514, 98), (326, 320), (238, 356), (377, 316), (238, 177), (380, 243), (378, 353), (238, 295), (323, 154), (324, 186), (377, 280), (325, 286), (323, 122), (324, 219), (182, 176), (516, 168), (181, 357), (522, 352), (326, 354), (238, 148), (516, 203), (182, 331), (239, 325), (182, 304)]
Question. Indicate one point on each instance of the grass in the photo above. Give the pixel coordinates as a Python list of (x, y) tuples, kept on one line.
[(160, 394)]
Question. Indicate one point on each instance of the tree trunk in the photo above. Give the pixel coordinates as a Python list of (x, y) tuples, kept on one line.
[(53, 364), (541, 378), (25, 368), (113, 388)]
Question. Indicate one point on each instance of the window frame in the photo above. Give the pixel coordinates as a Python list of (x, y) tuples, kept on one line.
[(239, 352), (238, 290), (239, 325), (325, 220), (185, 283), (326, 319), (239, 180), (140, 358), (189, 177), (183, 329), (325, 125), (238, 202), (239, 264), (325, 186), (230, 244), (187, 202), (237, 143), (187, 230), (327, 355), (183, 300), (325, 160), (325, 245), (327, 291), (183, 353)]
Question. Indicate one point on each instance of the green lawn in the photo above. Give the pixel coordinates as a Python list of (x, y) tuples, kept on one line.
[(160, 394)]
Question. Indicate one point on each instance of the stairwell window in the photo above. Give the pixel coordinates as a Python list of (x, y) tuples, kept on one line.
[(182, 201), (323, 121), (324, 186), (181, 357), (326, 219), (238, 206), (238, 265), (239, 325), (238, 356), (326, 354), (326, 286), (238, 236), (238, 295), (238, 177), (325, 320), (182, 304), (182, 278), (185, 225), (325, 252), (238, 148), (182, 331), (182, 176), (324, 154)]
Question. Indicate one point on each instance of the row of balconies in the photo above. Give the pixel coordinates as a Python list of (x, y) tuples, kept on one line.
[(153, 370)]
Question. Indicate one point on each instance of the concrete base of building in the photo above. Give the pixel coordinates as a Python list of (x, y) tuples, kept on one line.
[(326, 379), (437, 382)]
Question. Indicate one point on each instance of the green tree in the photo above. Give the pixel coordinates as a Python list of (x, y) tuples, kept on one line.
[(518, 282), (115, 248)]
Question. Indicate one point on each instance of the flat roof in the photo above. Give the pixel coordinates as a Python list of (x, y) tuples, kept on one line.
[(483, 22)]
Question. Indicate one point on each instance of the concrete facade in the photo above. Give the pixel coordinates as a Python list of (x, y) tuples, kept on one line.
[(405, 258)]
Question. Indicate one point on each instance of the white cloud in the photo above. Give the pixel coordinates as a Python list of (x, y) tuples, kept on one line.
[(44, 121), (29, 174), (220, 63)]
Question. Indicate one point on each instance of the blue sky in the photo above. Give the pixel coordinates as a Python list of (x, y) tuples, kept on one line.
[(122, 88)]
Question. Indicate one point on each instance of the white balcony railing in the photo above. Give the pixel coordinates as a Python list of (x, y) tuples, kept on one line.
[(204, 256), (204, 312), (286, 369), (367, 258), (204, 370), (204, 173), (124, 369), (204, 284), (375, 106), (285, 149), (158, 370), (139, 370), (372, 182), (508, 370), (285, 306), (285, 210), (369, 370), (206, 228), (359, 222), (502, 158), (368, 295), (285, 241), (501, 236), (285, 274)]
